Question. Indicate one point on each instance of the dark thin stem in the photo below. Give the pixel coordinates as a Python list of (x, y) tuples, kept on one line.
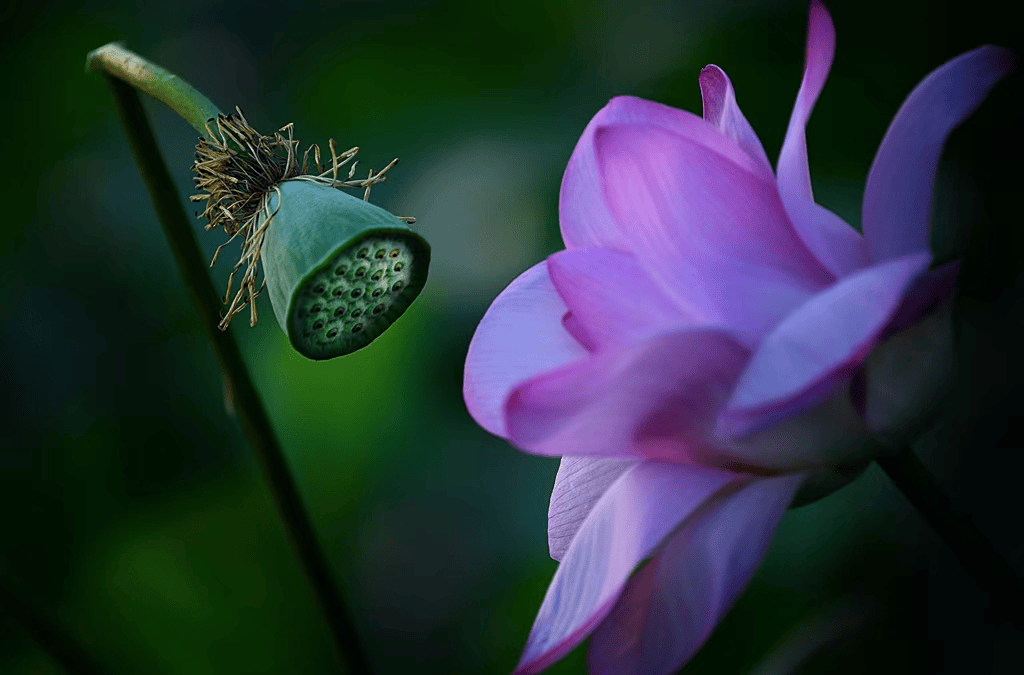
[(254, 419), (971, 547), (69, 653)]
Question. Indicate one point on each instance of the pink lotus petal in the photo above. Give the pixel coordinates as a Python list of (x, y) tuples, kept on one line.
[(669, 608), (837, 245), (711, 234), (579, 483), (643, 399), (816, 346), (585, 219), (644, 505), (611, 297), (520, 336), (898, 194), (722, 111)]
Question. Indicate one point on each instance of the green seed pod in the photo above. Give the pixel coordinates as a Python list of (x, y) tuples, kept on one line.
[(339, 269)]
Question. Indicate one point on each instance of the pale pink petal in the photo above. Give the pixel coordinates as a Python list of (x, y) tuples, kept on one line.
[(898, 194), (837, 245), (794, 175), (711, 234), (579, 483), (611, 297), (626, 525), (584, 218), (520, 336), (645, 399), (669, 608), (722, 111), (819, 344)]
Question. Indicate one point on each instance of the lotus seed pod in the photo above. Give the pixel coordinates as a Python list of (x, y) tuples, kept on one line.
[(339, 270)]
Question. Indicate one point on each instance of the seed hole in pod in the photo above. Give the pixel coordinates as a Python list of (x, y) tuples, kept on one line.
[(364, 252), (320, 288), (376, 292), (375, 276), (397, 286), (361, 272), (356, 292), (398, 267), (356, 328), (356, 313), (338, 292), (332, 333), (394, 253), (339, 312), (318, 325), (379, 255), (314, 309), (340, 271), (378, 309)]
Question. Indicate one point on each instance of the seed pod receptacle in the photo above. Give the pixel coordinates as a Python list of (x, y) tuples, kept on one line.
[(339, 270)]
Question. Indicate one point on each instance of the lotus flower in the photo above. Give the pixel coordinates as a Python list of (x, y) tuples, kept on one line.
[(710, 341)]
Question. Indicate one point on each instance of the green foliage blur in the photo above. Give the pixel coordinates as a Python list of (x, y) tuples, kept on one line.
[(131, 509)]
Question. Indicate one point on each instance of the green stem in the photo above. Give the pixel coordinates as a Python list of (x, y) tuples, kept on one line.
[(179, 95), (254, 419), (976, 554), (68, 652)]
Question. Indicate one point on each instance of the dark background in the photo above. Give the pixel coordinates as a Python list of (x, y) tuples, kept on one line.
[(130, 506)]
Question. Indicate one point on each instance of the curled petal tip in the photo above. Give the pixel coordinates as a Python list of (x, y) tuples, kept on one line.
[(1003, 58), (818, 7), (897, 206)]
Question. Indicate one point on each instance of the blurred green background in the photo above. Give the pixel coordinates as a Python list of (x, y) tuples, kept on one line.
[(131, 508)]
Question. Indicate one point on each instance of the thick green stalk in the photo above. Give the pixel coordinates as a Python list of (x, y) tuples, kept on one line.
[(971, 547), (255, 422), (179, 95)]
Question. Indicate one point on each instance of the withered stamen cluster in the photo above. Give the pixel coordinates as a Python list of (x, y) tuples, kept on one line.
[(237, 170)]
